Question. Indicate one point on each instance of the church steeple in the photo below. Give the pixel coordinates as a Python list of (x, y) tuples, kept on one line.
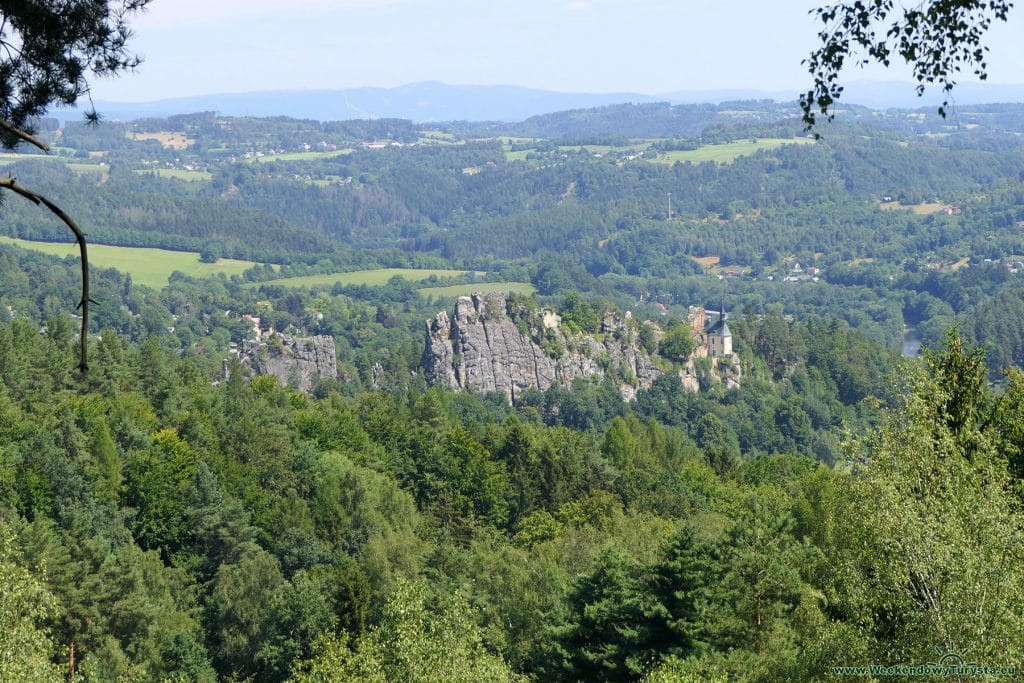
[(719, 335)]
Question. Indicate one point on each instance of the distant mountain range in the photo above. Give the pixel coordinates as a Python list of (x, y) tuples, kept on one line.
[(420, 102), (435, 101)]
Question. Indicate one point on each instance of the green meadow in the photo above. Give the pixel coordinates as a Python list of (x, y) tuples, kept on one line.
[(465, 290), (179, 173), (150, 267), (436, 136), (728, 151), (379, 276), (604, 149), (302, 156), (16, 156), (100, 172), (518, 155)]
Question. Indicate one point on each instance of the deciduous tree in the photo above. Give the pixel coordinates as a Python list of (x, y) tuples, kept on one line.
[(937, 38)]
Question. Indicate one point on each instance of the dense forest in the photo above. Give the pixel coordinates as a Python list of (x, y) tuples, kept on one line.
[(170, 515), (156, 526)]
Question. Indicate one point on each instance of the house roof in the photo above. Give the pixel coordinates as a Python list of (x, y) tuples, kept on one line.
[(719, 328)]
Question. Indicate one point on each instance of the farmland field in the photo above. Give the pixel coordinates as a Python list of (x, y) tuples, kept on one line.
[(727, 152), (378, 276), (605, 149), (169, 140), (16, 156), (102, 171), (150, 267), (922, 209), (437, 137), (302, 156), (466, 290), (180, 174), (517, 155)]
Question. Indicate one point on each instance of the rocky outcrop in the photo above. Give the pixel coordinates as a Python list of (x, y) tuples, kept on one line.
[(724, 370), (488, 346), (296, 361)]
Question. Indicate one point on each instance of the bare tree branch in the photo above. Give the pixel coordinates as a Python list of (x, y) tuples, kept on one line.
[(12, 185), (31, 139)]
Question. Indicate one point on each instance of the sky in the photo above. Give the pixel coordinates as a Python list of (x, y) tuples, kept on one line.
[(197, 47)]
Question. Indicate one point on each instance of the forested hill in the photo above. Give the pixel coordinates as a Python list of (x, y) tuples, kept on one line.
[(905, 218), (422, 102), (651, 119), (803, 501), (432, 101)]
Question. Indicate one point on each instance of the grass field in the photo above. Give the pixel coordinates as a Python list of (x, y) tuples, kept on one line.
[(429, 136), (518, 155), (14, 156), (302, 156), (180, 174), (84, 169), (604, 149), (466, 290), (727, 152), (379, 276), (707, 261), (149, 267), (920, 209), (167, 139)]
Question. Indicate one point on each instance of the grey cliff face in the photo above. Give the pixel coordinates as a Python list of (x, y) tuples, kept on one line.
[(296, 361), (437, 358), (486, 346)]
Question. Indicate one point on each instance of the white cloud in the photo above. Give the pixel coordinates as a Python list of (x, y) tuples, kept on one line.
[(179, 13)]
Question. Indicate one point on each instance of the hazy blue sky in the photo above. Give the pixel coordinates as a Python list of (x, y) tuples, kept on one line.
[(649, 46)]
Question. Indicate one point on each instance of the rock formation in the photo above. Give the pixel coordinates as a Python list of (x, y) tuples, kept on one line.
[(488, 346), (296, 361)]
